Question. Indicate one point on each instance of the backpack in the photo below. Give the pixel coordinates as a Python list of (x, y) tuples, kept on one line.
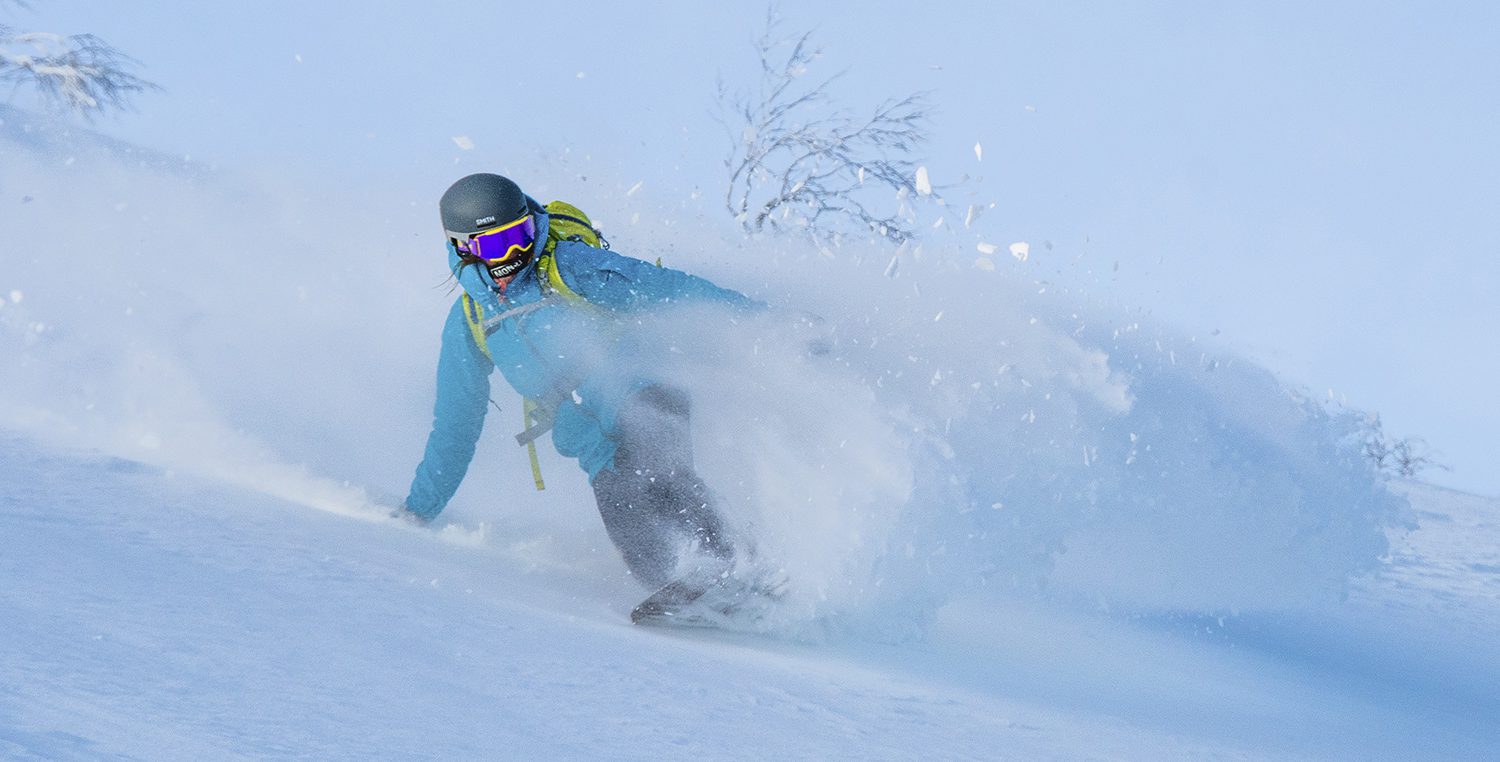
[(565, 223)]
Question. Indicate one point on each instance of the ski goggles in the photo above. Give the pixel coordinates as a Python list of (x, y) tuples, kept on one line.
[(505, 249)]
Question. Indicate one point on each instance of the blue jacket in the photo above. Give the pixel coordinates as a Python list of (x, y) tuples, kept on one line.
[(581, 358)]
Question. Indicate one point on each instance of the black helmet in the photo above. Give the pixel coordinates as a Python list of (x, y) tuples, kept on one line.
[(480, 201)]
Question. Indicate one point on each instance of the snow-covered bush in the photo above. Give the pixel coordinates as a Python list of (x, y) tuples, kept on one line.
[(798, 162), (80, 72)]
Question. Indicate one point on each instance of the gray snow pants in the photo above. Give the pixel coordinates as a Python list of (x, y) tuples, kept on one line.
[(658, 512)]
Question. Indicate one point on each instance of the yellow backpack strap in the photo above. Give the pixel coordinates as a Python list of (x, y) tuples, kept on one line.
[(547, 263), (569, 223), (566, 223), (528, 407), (474, 316)]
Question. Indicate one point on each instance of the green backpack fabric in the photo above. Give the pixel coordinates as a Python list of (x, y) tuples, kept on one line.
[(568, 223)]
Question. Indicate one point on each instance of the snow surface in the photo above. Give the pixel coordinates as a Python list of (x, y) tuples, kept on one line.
[(152, 615), (1016, 522)]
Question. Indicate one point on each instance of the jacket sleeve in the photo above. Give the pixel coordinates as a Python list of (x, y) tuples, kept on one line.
[(624, 283), (463, 391)]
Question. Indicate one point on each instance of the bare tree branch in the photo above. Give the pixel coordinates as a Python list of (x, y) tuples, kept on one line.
[(1406, 458), (796, 162), (81, 72)]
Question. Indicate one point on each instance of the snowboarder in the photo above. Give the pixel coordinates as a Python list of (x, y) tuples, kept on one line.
[(545, 309)]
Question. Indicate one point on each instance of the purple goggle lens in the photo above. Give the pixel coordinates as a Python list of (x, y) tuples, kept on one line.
[(504, 244)]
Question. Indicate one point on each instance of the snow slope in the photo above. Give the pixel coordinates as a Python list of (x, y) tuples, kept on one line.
[(1016, 521), (157, 616)]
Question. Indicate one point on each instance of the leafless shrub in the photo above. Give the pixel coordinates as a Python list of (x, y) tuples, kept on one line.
[(80, 73), (798, 162), (1406, 458)]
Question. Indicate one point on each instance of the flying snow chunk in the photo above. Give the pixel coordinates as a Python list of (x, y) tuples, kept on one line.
[(1020, 250), (971, 215), (861, 175), (16, 296), (987, 248), (635, 187), (581, 75), (463, 142), (297, 57), (924, 184), (985, 264), (978, 152)]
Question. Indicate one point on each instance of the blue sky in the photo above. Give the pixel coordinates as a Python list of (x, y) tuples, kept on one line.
[(1313, 181)]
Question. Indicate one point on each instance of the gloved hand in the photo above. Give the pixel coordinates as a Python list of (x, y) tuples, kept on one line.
[(402, 513)]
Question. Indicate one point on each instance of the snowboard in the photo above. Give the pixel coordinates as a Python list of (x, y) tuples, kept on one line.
[(722, 603)]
